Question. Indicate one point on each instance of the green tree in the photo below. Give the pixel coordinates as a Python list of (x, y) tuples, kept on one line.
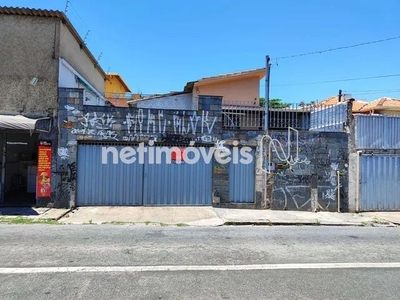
[(303, 104), (274, 103)]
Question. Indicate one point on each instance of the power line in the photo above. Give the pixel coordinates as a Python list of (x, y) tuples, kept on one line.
[(379, 90), (91, 37), (338, 80), (373, 93), (339, 48)]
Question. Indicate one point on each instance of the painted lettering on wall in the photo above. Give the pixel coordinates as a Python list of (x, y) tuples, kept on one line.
[(145, 124)]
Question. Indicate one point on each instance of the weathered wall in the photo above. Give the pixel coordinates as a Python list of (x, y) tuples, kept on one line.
[(79, 122), (71, 51), (221, 171), (28, 49), (321, 155)]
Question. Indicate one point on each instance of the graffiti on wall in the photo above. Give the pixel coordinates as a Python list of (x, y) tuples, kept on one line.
[(292, 184), (63, 153), (144, 124)]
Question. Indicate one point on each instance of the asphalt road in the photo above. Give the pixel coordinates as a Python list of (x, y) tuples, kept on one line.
[(131, 262)]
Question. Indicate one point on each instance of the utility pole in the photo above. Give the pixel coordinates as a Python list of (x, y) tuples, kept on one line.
[(266, 106), (267, 178)]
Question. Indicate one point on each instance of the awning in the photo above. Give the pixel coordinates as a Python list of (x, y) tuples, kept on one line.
[(18, 122)]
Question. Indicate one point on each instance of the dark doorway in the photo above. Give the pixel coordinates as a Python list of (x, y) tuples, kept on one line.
[(20, 168)]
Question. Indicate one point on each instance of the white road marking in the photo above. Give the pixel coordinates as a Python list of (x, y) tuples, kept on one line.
[(132, 269)]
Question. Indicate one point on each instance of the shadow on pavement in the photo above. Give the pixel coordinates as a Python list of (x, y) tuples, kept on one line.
[(18, 211)]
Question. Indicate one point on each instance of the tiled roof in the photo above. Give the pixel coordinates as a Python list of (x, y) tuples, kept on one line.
[(260, 72), (24, 11), (118, 102), (357, 104), (255, 72), (380, 104)]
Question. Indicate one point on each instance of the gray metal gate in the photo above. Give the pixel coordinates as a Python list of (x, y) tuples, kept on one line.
[(380, 182), (242, 180), (111, 183), (116, 182), (178, 184)]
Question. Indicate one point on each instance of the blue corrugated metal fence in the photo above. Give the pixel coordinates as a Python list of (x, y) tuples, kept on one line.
[(380, 182), (378, 132), (178, 184), (107, 184), (242, 180), (119, 183)]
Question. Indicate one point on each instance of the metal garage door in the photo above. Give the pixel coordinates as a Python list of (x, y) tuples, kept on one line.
[(152, 184), (242, 180), (107, 183), (380, 182), (178, 184)]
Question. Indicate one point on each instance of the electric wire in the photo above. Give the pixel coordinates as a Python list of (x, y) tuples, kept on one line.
[(338, 48)]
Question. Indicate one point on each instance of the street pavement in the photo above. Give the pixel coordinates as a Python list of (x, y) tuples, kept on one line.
[(195, 216), (170, 262)]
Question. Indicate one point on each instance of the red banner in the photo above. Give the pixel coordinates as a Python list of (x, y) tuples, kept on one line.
[(43, 187)]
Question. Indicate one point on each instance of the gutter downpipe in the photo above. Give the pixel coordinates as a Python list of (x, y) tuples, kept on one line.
[(359, 152)]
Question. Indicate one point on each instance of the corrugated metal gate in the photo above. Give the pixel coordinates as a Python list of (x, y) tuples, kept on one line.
[(114, 182), (380, 182), (242, 180), (107, 184), (178, 184)]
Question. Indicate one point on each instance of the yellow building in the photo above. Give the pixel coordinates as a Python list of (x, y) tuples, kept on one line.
[(117, 91), (116, 86)]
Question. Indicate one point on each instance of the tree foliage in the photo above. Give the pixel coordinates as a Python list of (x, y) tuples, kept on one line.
[(274, 103)]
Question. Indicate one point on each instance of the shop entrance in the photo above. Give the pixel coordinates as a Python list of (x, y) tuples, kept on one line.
[(18, 168)]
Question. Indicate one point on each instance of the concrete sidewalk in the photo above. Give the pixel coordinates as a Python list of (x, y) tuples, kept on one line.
[(192, 216), (196, 216), (41, 213), (209, 216)]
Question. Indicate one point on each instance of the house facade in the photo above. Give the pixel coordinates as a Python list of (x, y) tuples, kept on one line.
[(41, 53), (65, 158), (67, 142)]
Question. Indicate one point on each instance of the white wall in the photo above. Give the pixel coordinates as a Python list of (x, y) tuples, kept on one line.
[(68, 79), (179, 102)]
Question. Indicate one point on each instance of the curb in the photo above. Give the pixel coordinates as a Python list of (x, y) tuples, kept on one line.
[(265, 223)]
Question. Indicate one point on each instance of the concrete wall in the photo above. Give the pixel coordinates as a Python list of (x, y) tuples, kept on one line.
[(320, 156), (181, 102), (246, 90), (28, 49), (71, 51)]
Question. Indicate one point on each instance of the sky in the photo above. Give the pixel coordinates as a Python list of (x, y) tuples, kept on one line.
[(159, 45)]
